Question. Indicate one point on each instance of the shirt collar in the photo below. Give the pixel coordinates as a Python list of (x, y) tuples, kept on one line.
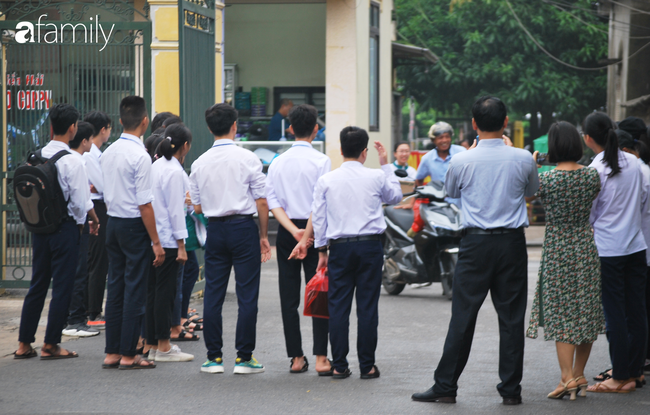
[(351, 164), (59, 144), (302, 144), (95, 150), (133, 138), (399, 166), (491, 142), (222, 141)]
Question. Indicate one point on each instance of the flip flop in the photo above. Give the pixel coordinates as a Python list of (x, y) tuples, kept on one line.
[(181, 337), (329, 372), (136, 365), (27, 355), (600, 388), (603, 375), (115, 365), (303, 369), (343, 375), (56, 354)]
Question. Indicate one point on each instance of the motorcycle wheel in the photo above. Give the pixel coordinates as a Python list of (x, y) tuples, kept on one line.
[(447, 268), (391, 287)]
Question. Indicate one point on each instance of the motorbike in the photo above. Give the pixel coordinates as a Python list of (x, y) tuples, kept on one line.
[(421, 244)]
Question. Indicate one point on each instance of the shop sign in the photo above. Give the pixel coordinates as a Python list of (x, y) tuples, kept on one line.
[(28, 99)]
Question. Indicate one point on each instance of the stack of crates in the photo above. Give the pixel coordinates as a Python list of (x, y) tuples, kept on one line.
[(243, 103), (259, 98)]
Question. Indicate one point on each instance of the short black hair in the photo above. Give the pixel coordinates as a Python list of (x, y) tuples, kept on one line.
[(489, 113), (399, 143), (220, 118), (174, 119), (284, 101), (159, 119), (85, 131), (303, 119), (353, 141), (133, 109), (62, 116), (564, 143), (99, 120)]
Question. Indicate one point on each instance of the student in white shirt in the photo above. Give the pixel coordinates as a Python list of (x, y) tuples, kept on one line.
[(77, 326), (97, 255), (290, 188), (227, 186), (169, 204), (347, 216), (130, 236), (402, 152), (55, 255)]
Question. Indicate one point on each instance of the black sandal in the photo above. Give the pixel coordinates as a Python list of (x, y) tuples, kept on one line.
[(27, 355), (55, 353), (195, 320), (302, 370), (373, 375), (181, 337), (197, 326), (343, 375), (602, 376), (329, 372)]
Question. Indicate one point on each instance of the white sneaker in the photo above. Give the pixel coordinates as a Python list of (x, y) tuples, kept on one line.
[(152, 355), (80, 330), (173, 355)]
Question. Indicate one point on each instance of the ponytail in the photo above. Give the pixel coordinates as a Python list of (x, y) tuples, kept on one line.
[(642, 150), (174, 137), (601, 128)]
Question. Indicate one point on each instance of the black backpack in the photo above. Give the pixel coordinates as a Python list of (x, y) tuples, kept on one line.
[(38, 193)]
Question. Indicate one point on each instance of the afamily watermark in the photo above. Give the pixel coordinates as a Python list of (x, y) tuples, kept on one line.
[(53, 33)]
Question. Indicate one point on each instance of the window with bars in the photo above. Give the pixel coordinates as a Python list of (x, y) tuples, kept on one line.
[(374, 67)]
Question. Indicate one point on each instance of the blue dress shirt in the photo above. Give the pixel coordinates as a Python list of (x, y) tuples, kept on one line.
[(492, 180), (434, 166), (275, 127)]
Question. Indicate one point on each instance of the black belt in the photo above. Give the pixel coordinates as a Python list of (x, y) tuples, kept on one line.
[(230, 218), (493, 231), (355, 239)]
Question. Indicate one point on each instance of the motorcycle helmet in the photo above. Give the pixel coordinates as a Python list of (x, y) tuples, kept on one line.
[(440, 127)]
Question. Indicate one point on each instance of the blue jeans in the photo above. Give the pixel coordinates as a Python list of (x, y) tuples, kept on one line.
[(354, 266), (130, 256), (624, 280), (54, 260), (234, 243)]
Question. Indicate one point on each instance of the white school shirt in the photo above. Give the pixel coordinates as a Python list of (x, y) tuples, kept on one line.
[(410, 171), (126, 169), (348, 201), (72, 179), (617, 211), (226, 180), (292, 177), (645, 216), (94, 171), (169, 201)]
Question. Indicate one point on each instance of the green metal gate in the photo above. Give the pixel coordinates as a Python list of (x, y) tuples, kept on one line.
[(197, 70), (90, 54)]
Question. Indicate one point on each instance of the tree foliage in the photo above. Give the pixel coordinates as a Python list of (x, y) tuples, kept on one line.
[(483, 50)]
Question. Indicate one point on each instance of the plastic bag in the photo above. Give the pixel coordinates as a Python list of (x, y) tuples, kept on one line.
[(316, 295)]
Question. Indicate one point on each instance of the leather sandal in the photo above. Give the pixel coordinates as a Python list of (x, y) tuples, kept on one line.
[(600, 388), (604, 375), (55, 353), (27, 355), (343, 375), (565, 391), (329, 372), (303, 369), (582, 387)]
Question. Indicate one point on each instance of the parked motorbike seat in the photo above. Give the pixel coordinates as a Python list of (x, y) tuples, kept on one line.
[(401, 217)]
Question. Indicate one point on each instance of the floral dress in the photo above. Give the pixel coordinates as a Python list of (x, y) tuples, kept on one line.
[(568, 298)]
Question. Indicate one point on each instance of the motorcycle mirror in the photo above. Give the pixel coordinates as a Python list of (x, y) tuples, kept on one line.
[(401, 173)]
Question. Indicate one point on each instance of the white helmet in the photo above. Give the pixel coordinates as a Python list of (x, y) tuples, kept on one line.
[(440, 127)]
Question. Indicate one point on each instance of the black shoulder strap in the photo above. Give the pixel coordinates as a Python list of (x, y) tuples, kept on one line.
[(58, 155)]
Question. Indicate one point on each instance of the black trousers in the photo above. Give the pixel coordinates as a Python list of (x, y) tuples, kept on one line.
[(97, 262), (234, 243), (647, 309), (354, 273), (624, 280), (289, 282), (79, 301), (161, 291), (498, 264), (54, 259), (130, 253)]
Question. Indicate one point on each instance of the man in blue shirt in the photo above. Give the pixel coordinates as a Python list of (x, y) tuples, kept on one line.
[(436, 162), (275, 127)]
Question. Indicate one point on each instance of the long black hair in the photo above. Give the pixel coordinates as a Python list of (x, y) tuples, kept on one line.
[(175, 137), (601, 128)]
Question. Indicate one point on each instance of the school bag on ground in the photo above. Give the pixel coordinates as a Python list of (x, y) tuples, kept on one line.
[(38, 194)]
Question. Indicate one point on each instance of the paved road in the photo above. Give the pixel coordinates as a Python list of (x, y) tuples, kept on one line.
[(412, 330)]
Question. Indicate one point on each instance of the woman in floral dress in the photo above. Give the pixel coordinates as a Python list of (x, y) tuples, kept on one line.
[(568, 298)]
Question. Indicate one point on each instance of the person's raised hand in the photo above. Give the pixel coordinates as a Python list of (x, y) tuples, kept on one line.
[(383, 155), (507, 141), (265, 247)]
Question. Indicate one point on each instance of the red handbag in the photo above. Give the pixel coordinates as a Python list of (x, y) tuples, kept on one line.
[(316, 295)]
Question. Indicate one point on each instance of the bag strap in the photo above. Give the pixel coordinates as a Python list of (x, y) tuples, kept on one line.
[(58, 155)]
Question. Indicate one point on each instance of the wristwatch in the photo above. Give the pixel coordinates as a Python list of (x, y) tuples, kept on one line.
[(323, 249)]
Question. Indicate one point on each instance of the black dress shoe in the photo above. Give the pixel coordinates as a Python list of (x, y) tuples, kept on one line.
[(512, 400), (430, 396), (373, 375)]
